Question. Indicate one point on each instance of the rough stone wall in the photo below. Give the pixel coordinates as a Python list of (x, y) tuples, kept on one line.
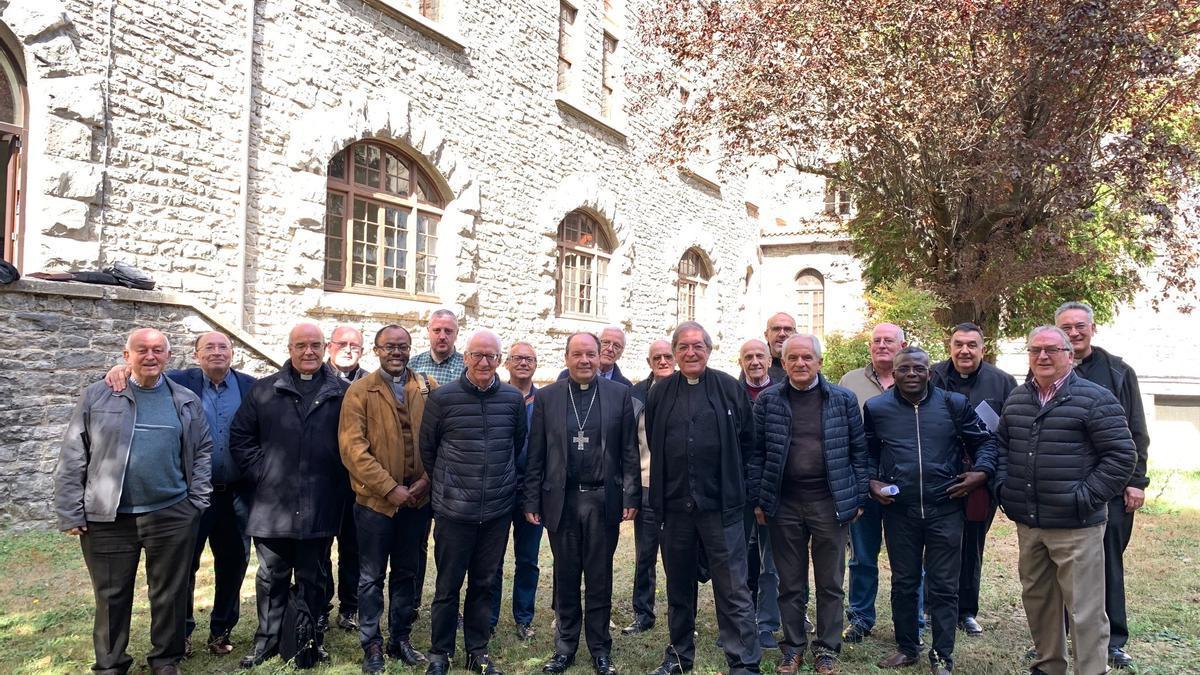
[(53, 345)]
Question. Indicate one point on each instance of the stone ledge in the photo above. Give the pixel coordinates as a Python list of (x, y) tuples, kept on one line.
[(73, 289), (577, 110)]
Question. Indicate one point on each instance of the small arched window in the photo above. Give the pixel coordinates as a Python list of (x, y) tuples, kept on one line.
[(584, 252), (810, 314), (692, 282), (382, 213), (12, 140)]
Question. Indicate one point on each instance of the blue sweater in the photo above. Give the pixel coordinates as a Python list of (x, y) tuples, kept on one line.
[(154, 474)]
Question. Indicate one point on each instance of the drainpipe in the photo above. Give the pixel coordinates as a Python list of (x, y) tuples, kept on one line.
[(243, 210)]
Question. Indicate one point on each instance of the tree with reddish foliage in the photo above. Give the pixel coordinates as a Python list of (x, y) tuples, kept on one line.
[(1005, 154)]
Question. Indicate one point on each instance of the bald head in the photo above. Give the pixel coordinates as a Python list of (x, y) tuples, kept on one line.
[(660, 359), (780, 327), (345, 348), (214, 355), (887, 339), (754, 358), (306, 347)]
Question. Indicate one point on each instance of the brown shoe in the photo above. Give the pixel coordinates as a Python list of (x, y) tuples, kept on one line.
[(789, 664), (220, 645), (897, 660)]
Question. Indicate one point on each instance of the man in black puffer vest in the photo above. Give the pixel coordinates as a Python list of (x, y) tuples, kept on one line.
[(808, 480), (916, 437), (470, 435), (1065, 451), (1092, 363)]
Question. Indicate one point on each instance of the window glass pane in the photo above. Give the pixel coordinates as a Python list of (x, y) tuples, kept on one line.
[(425, 191), (426, 250), (395, 245), (335, 207), (365, 251), (367, 159), (337, 166), (598, 288), (397, 175), (10, 93)]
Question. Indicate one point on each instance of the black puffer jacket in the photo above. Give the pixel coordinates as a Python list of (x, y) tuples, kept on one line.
[(469, 443), (1060, 464), (920, 447), (291, 458), (842, 441)]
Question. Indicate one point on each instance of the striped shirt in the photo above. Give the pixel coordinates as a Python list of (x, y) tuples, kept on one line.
[(1044, 395)]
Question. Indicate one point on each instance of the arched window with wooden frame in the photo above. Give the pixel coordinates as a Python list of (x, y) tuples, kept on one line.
[(584, 253), (693, 275), (810, 303), (13, 133), (382, 214)]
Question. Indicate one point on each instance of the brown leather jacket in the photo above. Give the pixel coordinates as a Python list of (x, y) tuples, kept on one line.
[(374, 448)]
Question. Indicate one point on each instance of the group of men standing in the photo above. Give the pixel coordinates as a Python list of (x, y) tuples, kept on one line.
[(740, 481)]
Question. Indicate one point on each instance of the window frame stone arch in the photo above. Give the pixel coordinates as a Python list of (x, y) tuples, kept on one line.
[(593, 243), (693, 274), (421, 205), (14, 135)]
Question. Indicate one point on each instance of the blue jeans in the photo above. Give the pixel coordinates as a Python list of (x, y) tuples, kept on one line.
[(527, 539), (866, 538)]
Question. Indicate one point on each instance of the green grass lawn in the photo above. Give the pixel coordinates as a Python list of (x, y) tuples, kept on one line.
[(46, 608)]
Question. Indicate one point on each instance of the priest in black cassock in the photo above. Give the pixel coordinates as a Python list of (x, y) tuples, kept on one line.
[(700, 427), (582, 479)]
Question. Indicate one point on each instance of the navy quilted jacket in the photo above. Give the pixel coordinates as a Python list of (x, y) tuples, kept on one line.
[(842, 438), (469, 444)]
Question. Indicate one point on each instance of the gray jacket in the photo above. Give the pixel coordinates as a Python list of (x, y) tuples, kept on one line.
[(91, 465)]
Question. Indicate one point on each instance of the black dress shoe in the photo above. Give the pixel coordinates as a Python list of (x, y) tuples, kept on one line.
[(373, 659), (348, 621), (1117, 658), (558, 663), (603, 665), (404, 651), (482, 664), (437, 667), (670, 668), (638, 626), (970, 626), (256, 657)]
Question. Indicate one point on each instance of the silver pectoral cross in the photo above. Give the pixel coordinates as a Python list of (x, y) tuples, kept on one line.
[(580, 440)]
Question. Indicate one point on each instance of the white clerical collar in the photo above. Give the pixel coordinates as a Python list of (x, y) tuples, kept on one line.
[(306, 376), (692, 380)]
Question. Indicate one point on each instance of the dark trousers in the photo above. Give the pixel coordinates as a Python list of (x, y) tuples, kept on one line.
[(1116, 538), (974, 538), (866, 539), (223, 526), (937, 542), (347, 565), (645, 545), (422, 565), (279, 560), (583, 547), (683, 533), (527, 541), (385, 540), (795, 527), (471, 551), (111, 552)]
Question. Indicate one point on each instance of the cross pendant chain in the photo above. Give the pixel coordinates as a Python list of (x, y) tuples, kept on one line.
[(580, 440)]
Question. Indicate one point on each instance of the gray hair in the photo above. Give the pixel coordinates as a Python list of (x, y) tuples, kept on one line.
[(444, 313), (135, 331), (686, 326), (1062, 335), (1075, 304), (816, 343)]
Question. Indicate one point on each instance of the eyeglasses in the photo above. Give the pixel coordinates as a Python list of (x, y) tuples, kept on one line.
[(1050, 351), (662, 357), (698, 348), (308, 346), (520, 358), (349, 346), (1077, 327), (918, 370), (390, 348), (883, 341), (616, 346), (484, 356)]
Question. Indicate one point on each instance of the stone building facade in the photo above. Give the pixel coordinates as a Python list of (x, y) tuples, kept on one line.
[(512, 184)]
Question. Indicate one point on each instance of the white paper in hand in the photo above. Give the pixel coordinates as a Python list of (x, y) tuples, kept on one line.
[(989, 417)]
